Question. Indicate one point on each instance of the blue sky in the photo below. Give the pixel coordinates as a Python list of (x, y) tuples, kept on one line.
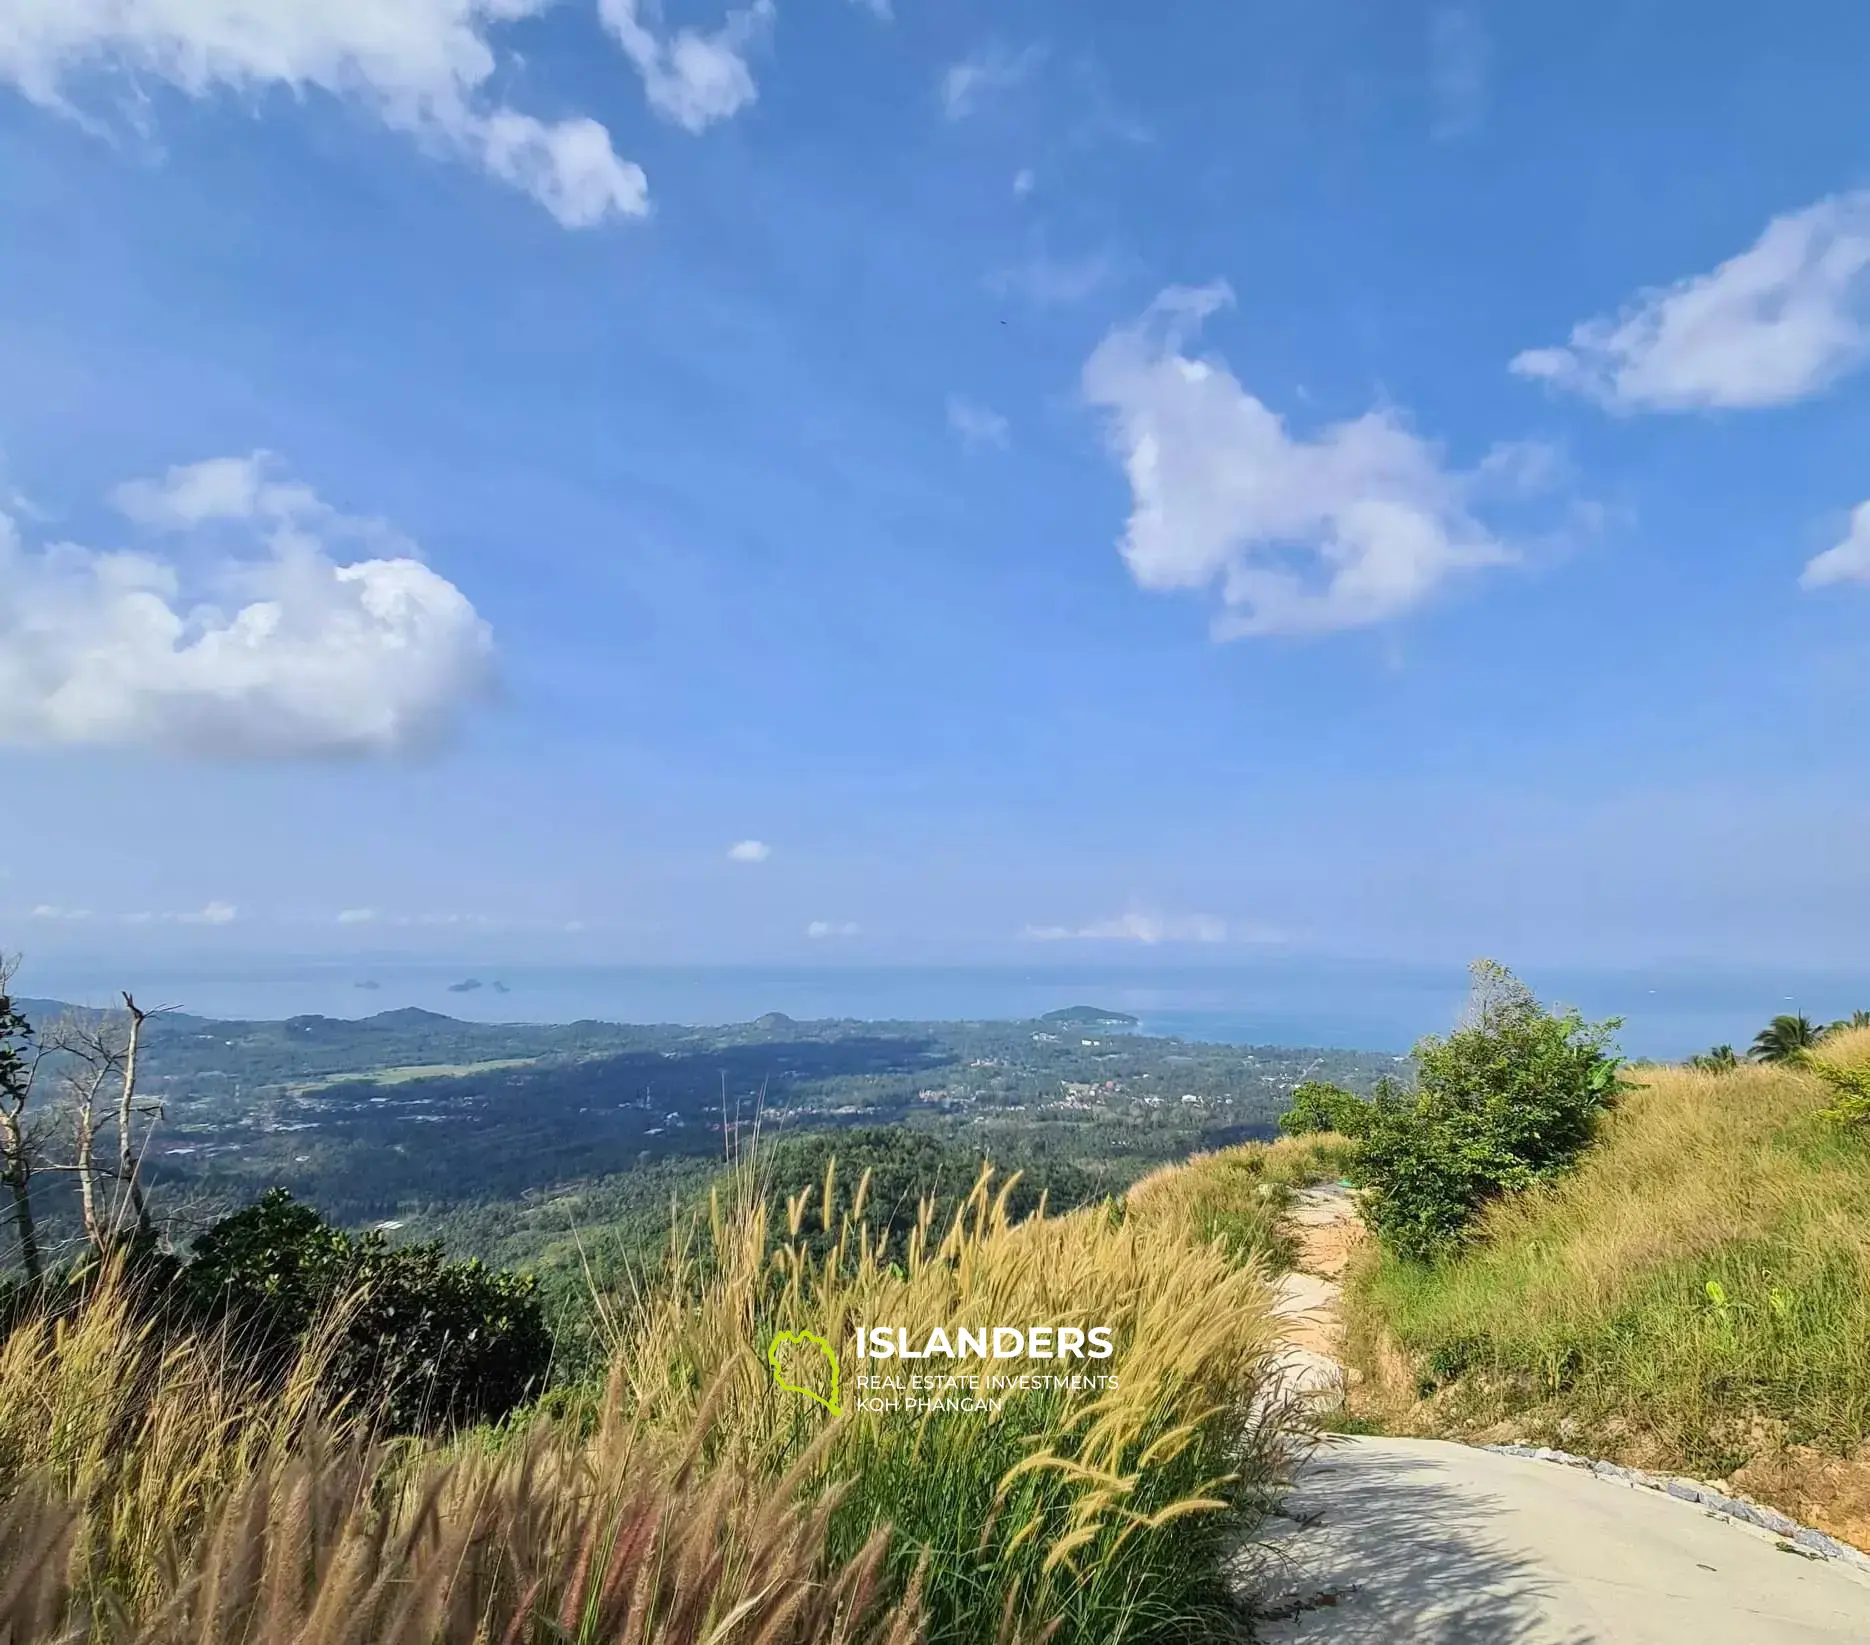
[(1371, 480)]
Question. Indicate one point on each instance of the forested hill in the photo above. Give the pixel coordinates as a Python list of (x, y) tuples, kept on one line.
[(412, 1111)]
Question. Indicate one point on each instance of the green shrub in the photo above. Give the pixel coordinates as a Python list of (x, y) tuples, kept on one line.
[(426, 1343), (1508, 1100), (1318, 1106)]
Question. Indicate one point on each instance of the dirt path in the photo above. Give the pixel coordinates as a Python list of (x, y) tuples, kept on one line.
[(1393, 1541), (1323, 1222)]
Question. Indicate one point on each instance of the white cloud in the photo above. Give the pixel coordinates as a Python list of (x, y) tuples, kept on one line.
[(356, 916), (421, 66), (967, 84), (1846, 562), (1023, 181), (1137, 926), (691, 78), (216, 913), (52, 911), (749, 851), (831, 928), (880, 9), (977, 425), (1353, 527), (1458, 72), (251, 641), (1782, 320)]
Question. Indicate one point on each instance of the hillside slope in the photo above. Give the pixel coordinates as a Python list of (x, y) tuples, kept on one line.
[(1694, 1298)]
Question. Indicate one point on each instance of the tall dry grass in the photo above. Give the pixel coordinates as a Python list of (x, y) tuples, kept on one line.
[(154, 1494), (1703, 1278)]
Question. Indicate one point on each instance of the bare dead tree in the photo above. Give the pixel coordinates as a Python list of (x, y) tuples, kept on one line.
[(84, 1079), (21, 1056), (129, 1157)]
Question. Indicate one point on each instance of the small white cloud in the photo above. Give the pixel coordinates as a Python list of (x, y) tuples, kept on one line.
[(255, 642), (690, 78), (422, 67), (52, 911), (216, 913), (749, 851), (1023, 181), (966, 85), (1458, 72), (356, 916), (831, 928), (1782, 320), (882, 10), (1845, 562), (1137, 926), (976, 424), (1354, 526)]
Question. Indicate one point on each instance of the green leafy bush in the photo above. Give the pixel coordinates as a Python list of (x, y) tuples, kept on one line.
[(1508, 1100), (426, 1342), (1318, 1106)]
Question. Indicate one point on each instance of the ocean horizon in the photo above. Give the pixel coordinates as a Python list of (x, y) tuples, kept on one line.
[(1668, 1012)]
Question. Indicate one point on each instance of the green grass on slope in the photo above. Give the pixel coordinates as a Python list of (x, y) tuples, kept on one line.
[(1702, 1281)]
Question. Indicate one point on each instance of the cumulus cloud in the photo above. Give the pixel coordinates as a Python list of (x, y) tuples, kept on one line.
[(831, 928), (1845, 562), (421, 66), (749, 851), (1780, 321), (976, 424), (248, 640), (691, 78), (1136, 926), (1354, 526), (967, 85)]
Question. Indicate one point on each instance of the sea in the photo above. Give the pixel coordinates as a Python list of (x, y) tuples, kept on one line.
[(1667, 1011)]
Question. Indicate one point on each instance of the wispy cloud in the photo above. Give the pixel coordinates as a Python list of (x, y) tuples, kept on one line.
[(976, 424), (749, 851), (690, 78), (832, 928), (1048, 280), (1847, 561), (1353, 526), (1782, 320), (1458, 66), (1138, 925), (423, 68), (967, 86), (356, 916)]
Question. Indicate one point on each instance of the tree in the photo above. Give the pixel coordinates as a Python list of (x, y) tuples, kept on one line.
[(1857, 1019), (1510, 1099), (20, 1059), (1719, 1060), (1786, 1038), (1319, 1106), (425, 1342)]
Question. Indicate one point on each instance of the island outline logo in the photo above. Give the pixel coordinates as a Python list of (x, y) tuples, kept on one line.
[(794, 1339)]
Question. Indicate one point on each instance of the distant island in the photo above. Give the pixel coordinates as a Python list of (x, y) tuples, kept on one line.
[(465, 987), (1090, 1016)]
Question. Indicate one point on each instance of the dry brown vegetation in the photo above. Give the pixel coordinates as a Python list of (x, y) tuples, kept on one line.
[(1696, 1296)]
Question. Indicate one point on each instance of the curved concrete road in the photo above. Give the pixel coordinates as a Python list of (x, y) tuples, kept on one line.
[(1420, 1542)]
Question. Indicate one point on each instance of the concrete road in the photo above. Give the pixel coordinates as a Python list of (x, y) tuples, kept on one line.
[(1414, 1540)]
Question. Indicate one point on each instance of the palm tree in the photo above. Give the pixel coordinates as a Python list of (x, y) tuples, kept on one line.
[(1719, 1060), (1785, 1039), (1857, 1019)]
